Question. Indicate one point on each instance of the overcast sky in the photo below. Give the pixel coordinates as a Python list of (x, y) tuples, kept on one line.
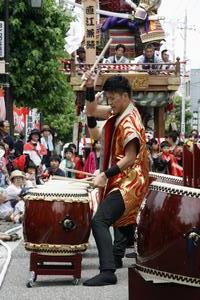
[(174, 10)]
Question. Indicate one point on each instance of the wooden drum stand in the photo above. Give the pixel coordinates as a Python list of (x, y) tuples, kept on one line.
[(54, 265)]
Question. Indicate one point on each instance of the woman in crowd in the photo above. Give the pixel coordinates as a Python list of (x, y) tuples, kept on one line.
[(77, 160), (47, 141), (89, 160)]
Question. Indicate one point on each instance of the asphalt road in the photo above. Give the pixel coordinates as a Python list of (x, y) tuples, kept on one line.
[(60, 287)]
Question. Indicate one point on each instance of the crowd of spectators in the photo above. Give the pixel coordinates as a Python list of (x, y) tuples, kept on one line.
[(24, 165), (166, 156)]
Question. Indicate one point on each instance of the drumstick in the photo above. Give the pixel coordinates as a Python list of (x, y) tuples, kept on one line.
[(71, 180), (81, 181), (79, 172), (86, 179), (98, 60), (74, 180)]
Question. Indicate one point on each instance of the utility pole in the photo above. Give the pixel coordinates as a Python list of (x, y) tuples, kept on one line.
[(8, 100), (184, 79), (173, 42)]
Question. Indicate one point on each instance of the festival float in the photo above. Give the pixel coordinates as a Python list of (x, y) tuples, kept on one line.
[(133, 24)]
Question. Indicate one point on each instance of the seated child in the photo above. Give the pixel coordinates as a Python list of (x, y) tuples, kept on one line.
[(12, 207)]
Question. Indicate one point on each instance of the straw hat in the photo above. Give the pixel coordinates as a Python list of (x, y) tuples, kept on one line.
[(17, 173)]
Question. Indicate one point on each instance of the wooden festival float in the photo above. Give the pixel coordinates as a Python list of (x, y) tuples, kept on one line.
[(152, 91)]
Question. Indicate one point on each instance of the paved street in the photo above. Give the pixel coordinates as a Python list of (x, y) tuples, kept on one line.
[(59, 287)]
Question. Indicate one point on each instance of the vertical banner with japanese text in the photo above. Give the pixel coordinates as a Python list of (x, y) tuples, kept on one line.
[(2, 39), (90, 30)]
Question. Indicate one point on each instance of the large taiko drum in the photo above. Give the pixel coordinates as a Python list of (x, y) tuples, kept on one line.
[(57, 218), (168, 235)]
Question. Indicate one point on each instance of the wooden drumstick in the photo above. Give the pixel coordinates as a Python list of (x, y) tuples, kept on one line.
[(72, 180), (78, 172), (98, 60)]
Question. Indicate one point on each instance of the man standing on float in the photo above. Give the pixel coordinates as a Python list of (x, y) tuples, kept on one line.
[(124, 171)]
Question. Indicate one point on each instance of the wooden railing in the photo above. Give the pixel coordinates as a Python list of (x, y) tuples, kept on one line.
[(151, 68)]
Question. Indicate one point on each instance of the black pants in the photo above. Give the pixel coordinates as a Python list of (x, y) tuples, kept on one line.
[(123, 237), (108, 212)]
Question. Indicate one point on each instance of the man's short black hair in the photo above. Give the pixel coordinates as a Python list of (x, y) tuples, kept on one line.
[(120, 46), (81, 50), (55, 158), (165, 50), (68, 149), (149, 46), (173, 135), (118, 84)]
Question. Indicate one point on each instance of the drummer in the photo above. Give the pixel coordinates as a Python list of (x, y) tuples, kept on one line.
[(124, 171)]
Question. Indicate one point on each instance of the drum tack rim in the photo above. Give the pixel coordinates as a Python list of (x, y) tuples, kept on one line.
[(71, 198), (55, 249), (166, 177), (167, 276), (175, 189)]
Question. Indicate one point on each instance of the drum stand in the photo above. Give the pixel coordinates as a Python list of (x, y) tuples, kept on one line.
[(41, 265)]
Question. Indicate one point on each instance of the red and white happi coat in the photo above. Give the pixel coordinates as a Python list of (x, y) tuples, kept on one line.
[(132, 182), (35, 153)]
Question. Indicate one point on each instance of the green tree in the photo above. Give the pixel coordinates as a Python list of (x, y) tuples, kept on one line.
[(37, 38), (174, 117)]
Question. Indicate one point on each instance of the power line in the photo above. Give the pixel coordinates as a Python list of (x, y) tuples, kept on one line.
[(180, 24)]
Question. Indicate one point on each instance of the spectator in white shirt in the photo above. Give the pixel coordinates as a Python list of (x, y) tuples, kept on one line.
[(165, 59), (119, 57), (148, 59)]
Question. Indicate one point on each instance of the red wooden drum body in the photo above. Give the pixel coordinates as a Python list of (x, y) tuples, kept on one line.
[(55, 221), (168, 235)]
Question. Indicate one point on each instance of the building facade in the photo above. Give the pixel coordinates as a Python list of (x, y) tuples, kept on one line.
[(195, 97)]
